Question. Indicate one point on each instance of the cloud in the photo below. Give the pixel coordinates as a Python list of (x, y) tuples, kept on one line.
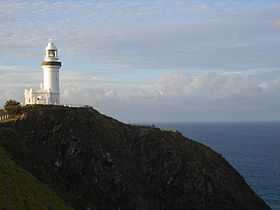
[(276, 23), (209, 85), (179, 96), (149, 60), (142, 34)]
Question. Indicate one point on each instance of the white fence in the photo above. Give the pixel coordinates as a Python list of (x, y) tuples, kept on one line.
[(4, 116)]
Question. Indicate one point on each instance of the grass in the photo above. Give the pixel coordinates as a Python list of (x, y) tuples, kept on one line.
[(19, 190)]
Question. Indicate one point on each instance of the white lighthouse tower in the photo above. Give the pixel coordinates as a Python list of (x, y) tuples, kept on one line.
[(49, 92), (51, 66)]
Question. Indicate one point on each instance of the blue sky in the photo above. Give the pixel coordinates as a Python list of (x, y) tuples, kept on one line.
[(146, 60)]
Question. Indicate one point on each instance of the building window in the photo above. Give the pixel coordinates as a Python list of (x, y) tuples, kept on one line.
[(51, 53)]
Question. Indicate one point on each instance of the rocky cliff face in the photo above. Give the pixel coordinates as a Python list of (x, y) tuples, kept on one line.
[(95, 162)]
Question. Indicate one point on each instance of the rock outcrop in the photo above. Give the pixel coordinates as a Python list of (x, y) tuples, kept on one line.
[(95, 162)]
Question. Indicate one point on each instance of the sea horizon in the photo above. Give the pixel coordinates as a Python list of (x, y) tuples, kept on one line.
[(205, 121)]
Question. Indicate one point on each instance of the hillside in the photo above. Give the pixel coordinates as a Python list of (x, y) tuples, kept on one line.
[(20, 190), (95, 162)]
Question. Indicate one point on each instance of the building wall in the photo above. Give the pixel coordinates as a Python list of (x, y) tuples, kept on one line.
[(51, 79), (37, 97)]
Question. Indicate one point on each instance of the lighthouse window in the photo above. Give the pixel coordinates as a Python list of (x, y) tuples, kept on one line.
[(51, 53)]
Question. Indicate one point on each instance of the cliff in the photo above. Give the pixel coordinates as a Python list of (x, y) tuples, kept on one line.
[(95, 162)]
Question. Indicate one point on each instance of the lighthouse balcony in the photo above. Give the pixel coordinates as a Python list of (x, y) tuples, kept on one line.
[(51, 63)]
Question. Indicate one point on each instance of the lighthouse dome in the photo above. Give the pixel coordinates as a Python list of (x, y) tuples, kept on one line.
[(51, 57), (51, 46)]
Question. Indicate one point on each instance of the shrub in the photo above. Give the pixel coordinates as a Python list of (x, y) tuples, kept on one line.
[(12, 107)]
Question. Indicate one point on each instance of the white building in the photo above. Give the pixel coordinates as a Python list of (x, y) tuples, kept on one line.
[(49, 90)]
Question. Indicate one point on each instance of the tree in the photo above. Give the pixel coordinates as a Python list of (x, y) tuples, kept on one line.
[(12, 107)]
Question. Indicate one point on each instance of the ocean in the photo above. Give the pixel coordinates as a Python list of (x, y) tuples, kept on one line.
[(252, 148)]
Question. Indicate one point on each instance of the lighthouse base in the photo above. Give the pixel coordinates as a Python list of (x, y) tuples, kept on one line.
[(40, 97)]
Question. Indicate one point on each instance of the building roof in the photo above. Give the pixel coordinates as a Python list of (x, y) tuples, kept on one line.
[(51, 46)]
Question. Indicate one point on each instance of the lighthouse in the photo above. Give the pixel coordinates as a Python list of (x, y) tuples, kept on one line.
[(49, 90), (51, 66)]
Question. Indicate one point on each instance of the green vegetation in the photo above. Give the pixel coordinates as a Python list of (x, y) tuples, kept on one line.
[(19, 190), (13, 107), (95, 162)]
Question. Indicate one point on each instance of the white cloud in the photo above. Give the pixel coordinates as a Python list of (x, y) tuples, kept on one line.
[(179, 96), (174, 96), (149, 35), (276, 23), (155, 34)]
